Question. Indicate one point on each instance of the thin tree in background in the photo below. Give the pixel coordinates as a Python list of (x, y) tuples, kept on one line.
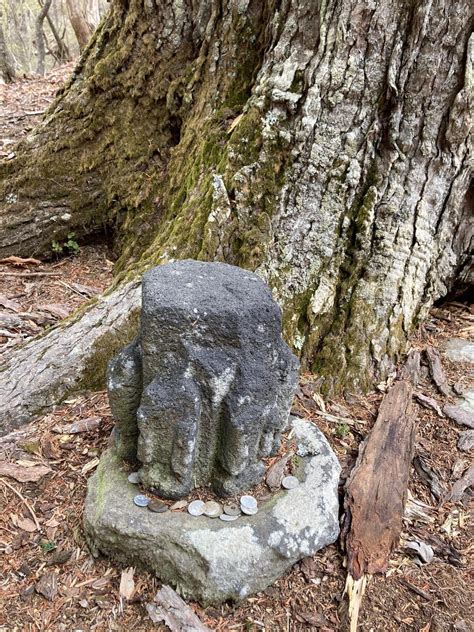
[(81, 28), (40, 45), (7, 63)]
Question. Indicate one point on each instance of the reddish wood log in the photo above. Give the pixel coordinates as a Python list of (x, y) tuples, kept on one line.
[(377, 487)]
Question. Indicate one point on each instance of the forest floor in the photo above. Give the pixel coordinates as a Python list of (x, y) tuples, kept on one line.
[(50, 581)]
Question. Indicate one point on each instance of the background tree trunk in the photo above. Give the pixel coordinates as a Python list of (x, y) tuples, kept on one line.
[(79, 24), (7, 63), (40, 45), (323, 145)]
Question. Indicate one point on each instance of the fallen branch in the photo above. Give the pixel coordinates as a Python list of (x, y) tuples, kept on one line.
[(376, 490)]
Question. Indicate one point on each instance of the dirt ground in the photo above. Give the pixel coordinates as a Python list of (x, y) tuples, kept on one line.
[(50, 581)]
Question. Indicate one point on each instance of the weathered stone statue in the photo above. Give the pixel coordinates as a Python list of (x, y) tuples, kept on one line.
[(200, 397), (205, 390)]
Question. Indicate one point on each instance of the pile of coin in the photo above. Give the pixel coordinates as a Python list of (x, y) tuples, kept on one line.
[(248, 504)]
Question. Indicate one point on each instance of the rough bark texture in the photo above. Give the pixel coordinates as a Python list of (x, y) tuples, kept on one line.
[(71, 356), (377, 487), (323, 145)]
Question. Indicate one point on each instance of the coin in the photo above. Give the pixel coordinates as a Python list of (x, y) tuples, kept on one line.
[(196, 508), (248, 501), (227, 518), (232, 510), (133, 478), (212, 509), (249, 511), (179, 504), (290, 482), (157, 506), (141, 501)]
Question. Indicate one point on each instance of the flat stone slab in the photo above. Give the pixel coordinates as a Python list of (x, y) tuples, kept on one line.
[(460, 350), (209, 560)]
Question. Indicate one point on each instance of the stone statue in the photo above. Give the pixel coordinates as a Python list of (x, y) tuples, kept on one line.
[(204, 391)]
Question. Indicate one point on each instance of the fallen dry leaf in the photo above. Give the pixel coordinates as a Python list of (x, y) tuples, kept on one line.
[(127, 583), (23, 474), (26, 525)]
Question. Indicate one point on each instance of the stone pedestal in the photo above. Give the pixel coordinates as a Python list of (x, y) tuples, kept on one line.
[(200, 398), (208, 560)]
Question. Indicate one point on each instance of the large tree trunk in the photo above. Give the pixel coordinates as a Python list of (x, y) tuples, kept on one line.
[(323, 145)]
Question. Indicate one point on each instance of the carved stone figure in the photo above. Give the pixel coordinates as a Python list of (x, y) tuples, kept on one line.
[(203, 393)]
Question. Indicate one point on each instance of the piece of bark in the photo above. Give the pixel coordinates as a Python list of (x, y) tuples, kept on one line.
[(376, 490), (436, 371), (9, 304), (466, 440), (275, 473), (460, 486), (169, 608), (429, 477), (23, 474), (428, 402), (82, 425), (460, 415), (47, 585)]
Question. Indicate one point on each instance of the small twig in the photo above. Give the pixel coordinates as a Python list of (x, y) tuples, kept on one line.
[(415, 589), (72, 289), (29, 274), (23, 499)]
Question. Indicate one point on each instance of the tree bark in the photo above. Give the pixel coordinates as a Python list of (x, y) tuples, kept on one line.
[(323, 145), (40, 46), (79, 24), (7, 63)]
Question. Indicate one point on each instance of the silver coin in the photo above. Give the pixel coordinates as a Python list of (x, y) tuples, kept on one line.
[(196, 508), (248, 501), (227, 518), (290, 482), (212, 509), (232, 510), (141, 501), (133, 478), (249, 511)]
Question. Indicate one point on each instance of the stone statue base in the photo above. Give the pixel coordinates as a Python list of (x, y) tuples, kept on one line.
[(209, 560)]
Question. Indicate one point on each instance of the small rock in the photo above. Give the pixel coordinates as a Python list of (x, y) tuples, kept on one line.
[(466, 440), (180, 504), (157, 506), (460, 415), (275, 473), (460, 350)]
